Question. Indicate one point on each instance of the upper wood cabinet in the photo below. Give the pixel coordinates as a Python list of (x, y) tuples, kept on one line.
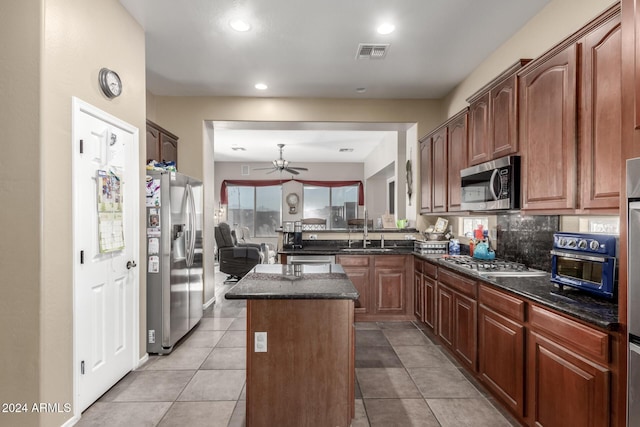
[(443, 153), (426, 173), (162, 145), (493, 118), (601, 117), (457, 159), (547, 114), (570, 122), (439, 159)]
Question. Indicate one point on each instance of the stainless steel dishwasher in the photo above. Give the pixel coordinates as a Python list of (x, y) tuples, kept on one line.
[(311, 259)]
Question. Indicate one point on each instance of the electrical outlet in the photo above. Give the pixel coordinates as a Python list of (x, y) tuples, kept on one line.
[(152, 336), (313, 237), (260, 342)]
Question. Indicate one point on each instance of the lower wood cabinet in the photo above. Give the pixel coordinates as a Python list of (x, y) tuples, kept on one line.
[(546, 368), (358, 269), (390, 276), (565, 390), (501, 345), (384, 284), (457, 316), (429, 295), (418, 296)]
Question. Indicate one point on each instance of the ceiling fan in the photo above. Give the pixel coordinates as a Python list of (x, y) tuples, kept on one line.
[(282, 165)]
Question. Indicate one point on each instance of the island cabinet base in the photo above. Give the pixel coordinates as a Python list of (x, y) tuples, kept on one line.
[(306, 376)]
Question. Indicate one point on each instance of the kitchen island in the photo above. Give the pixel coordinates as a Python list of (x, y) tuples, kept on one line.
[(300, 344)]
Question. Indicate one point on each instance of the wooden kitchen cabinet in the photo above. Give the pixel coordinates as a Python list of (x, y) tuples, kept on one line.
[(569, 381), (390, 276), (439, 188), (501, 345), (493, 118), (384, 284), (457, 316), (426, 175), (548, 108), (418, 295), (601, 117), (162, 145), (424, 295), (479, 146), (574, 87), (358, 269), (456, 159), (443, 153)]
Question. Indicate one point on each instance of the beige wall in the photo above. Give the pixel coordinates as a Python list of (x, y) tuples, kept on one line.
[(20, 263), (559, 19), (57, 48)]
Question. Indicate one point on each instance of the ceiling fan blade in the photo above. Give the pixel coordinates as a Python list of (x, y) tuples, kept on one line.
[(272, 171), (290, 170), (263, 169), (299, 169)]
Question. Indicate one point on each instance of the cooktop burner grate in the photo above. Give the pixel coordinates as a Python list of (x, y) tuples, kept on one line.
[(480, 265)]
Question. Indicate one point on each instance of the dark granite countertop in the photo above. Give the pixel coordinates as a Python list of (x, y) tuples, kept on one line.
[(282, 281), (581, 305), (339, 247)]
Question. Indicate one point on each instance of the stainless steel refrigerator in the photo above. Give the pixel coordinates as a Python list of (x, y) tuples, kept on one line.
[(174, 258), (633, 292)]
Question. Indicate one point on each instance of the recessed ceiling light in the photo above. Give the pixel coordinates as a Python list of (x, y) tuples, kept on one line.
[(361, 89), (386, 28), (239, 25), (261, 86)]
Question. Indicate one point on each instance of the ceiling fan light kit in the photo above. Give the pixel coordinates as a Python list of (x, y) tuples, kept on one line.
[(280, 165)]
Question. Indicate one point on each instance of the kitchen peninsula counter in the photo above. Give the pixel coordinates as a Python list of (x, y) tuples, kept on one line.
[(300, 345)]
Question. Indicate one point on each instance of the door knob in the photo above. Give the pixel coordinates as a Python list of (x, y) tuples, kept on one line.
[(131, 264)]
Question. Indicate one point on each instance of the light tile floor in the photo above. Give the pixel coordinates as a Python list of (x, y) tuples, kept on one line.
[(403, 379)]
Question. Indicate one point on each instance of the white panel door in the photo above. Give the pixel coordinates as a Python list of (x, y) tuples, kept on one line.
[(105, 224)]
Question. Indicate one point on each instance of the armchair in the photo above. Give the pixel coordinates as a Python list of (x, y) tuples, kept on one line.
[(235, 260), (268, 252)]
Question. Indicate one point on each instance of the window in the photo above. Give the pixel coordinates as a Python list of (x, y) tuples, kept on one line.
[(259, 208), (335, 204), (471, 223)]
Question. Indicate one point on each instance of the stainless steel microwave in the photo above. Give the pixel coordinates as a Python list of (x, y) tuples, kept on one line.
[(493, 185)]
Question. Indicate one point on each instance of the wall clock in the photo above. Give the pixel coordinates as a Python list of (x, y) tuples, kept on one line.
[(110, 83)]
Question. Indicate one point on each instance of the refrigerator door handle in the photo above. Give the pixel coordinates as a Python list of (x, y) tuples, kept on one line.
[(191, 239)]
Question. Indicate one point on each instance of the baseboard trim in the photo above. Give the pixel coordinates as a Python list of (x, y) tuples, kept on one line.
[(144, 359), (208, 303), (71, 421)]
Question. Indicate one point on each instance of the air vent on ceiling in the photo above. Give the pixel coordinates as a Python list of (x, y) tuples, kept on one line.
[(372, 51)]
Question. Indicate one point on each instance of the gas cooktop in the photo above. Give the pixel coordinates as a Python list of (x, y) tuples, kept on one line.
[(494, 267)]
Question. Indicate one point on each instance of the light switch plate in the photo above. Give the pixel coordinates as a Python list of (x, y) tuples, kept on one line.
[(260, 342)]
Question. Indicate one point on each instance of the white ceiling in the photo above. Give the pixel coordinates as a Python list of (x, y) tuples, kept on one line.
[(308, 142), (307, 48)]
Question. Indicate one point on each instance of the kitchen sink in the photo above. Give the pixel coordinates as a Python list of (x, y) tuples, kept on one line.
[(365, 250)]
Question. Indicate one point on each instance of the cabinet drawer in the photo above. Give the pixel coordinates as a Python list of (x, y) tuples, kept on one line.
[(397, 261), (502, 303), (460, 283), (353, 260), (587, 341), (430, 270)]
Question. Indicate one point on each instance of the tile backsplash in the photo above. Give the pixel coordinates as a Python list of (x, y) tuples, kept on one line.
[(526, 239)]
